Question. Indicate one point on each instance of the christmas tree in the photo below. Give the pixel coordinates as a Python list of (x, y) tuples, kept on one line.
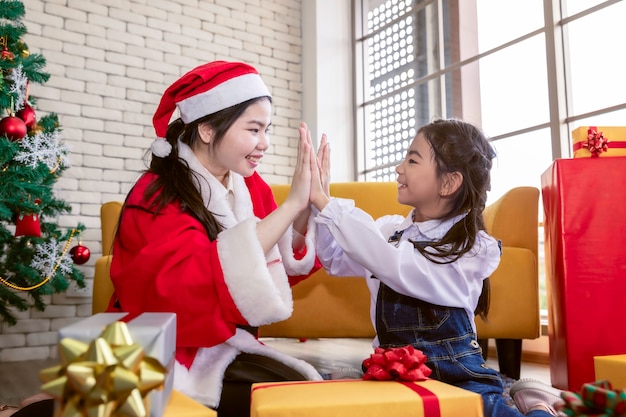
[(36, 256)]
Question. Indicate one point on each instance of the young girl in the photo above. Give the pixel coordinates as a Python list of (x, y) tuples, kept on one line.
[(428, 273), (200, 235)]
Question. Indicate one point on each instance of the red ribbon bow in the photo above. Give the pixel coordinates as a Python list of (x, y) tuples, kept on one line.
[(596, 143), (402, 364)]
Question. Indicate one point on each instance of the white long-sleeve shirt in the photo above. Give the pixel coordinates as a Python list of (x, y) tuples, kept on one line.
[(351, 243)]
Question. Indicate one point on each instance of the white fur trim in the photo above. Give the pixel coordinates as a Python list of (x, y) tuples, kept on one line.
[(261, 292), (161, 147), (250, 279), (213, 192), (245, 342), (204, 380), (227, 94), (291, 264)]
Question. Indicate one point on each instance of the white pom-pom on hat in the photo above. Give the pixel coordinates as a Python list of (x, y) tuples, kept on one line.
[(161, 147), (205, 90)]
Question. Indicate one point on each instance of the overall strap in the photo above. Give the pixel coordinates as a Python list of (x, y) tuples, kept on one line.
[(416, 243)]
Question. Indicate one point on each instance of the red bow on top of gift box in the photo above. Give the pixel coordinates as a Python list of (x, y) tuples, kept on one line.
[(402, 364), (596, 143), (596, 399)]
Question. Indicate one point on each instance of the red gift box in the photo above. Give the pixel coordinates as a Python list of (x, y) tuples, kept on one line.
[(585, 237)]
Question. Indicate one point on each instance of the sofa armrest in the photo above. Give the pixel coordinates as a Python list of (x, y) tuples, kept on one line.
[(514, 288), (102, 284)]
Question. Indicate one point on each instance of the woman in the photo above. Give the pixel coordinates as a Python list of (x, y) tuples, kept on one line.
[(200, 235)]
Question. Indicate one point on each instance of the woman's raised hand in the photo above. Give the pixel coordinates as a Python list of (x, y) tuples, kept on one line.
[(301, 184), (295, 208)]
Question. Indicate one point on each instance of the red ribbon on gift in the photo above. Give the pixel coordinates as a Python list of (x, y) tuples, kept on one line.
[(401, 363), (431, 402)]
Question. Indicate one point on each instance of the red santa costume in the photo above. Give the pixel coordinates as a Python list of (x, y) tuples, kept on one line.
[(167, 263)]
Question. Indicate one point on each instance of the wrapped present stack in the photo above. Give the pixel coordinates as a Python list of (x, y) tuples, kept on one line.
[(113, 364), (585, 237)]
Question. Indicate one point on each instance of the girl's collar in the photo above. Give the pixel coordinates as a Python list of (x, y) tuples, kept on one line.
[(433, 229)]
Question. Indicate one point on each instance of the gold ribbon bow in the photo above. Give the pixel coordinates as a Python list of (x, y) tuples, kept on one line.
[(109, 377)]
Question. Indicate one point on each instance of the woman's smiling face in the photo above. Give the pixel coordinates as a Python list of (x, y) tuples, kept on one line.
[(243, 144)]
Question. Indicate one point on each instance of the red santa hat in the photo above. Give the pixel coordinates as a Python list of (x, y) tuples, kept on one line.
[(205, 90)]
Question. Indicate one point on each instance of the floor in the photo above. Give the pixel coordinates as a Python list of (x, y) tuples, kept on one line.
[(19, 380), (348, 353)]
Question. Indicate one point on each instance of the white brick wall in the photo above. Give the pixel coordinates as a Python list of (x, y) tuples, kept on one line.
[(109, 61)]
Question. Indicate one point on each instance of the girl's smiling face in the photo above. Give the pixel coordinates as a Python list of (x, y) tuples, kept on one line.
[(243, 144), (417, 179), (418, 183)]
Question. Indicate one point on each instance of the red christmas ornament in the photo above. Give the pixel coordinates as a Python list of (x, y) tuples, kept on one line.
[(13, 128), (80, 254), (6, 54), (28, 224), (27, 114)]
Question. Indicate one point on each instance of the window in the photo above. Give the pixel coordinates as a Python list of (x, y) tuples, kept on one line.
[(494, 63), (526, 73)]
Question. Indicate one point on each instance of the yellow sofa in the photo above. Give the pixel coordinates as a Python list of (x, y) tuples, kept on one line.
[(330, 307), (102, 285)]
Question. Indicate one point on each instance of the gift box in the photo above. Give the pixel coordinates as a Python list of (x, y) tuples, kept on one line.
[(347, 398), (155, 332), (599, 141), (182, 406), (611, 368), (585, 237), (595, 399)]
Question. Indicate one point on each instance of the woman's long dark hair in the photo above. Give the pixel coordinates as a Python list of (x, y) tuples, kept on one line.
[(458, 146), (175, 180)]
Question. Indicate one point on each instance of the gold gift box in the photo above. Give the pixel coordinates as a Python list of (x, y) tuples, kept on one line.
[(615, 135), (611, 368), (349, 398), (180, 405)]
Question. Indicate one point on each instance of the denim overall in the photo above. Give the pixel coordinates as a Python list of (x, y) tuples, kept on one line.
[(445, 335)]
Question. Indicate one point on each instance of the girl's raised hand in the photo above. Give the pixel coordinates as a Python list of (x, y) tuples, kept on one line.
[(323, 164), (320, 177)]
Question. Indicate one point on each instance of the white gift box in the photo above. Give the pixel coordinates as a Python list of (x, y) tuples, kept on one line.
[(155, 332)]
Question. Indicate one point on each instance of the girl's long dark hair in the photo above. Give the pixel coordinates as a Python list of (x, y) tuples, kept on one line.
[(175, 181), (458, 146)]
